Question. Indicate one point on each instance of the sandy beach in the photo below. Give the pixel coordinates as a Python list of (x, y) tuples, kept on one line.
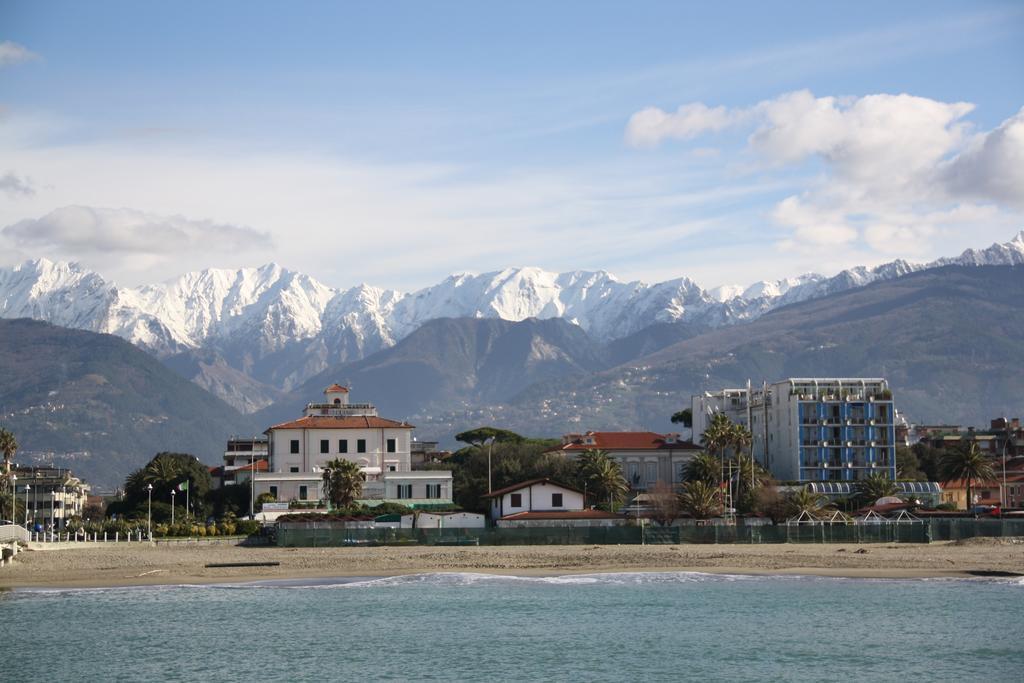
[(117, 565)]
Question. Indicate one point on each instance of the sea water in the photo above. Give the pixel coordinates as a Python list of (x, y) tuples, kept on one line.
[(473, 627)]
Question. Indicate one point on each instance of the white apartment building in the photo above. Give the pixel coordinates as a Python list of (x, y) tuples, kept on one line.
[(812, 429), (336, 428)]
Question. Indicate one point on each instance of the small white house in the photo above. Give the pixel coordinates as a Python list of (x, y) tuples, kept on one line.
[(535, 495)]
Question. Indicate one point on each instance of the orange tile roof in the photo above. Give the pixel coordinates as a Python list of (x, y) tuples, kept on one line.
[(336, 387), (573, 514), (631, 441), (332, 422)]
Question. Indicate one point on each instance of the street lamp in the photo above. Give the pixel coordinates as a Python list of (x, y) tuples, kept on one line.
[(27, 489), (1002, 489), (14, 497), (490, 443), (172, 507), (149, 512)]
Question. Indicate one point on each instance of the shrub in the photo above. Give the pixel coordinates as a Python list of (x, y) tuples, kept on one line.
[(247, 527), (211, 529)]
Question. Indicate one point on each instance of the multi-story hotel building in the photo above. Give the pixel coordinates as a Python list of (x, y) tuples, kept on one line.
[(335, 428), (812, 429), (51, 496)]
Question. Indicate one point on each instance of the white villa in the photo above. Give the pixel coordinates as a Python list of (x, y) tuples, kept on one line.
[(647, 458), (335, 428)]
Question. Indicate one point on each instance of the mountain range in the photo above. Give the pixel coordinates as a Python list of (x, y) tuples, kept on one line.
[(102, 406), (253, 334), (947, 337)]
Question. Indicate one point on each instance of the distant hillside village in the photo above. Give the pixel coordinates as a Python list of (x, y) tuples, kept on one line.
[(796, 451)]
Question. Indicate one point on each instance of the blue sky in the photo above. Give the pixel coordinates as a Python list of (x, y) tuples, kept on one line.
[(394, 143)]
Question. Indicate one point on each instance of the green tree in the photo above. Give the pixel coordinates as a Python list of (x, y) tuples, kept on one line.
[(969, 466), (717, 438), (477, 436), (700, 499), (8, 446), (683, 417), (908, 467), (873, 487), (704, 467), (804, 500), (165, 472), (749, 478), (602, 474), (265, 497), (343, 482), (513, 462)]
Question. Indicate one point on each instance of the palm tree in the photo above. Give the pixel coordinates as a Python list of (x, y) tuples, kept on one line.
[(716, 439), (970, 466), (700, 499), (343, 482), (607, 478), (875, 486), (704, 467), (718, 436), (602, 474), (805, 500), (8, 446)]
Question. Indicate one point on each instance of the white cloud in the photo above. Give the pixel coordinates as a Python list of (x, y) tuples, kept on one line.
[(15, 186), (895, 169), (72, 232), (650, 126), (13, 53), (992, 166)]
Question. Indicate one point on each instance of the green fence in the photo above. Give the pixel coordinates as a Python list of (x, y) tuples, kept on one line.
[(325, 534)]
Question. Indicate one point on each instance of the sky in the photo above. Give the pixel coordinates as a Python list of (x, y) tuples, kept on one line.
[(395, 143)]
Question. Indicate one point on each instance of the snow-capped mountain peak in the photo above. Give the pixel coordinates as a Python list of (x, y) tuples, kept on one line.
[(251, 314)]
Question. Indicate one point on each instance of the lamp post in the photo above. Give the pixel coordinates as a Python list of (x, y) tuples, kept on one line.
[(489, 441), (27, 489), (14, 497), (53, 516), (252, 484), (172, 507), (149, 512)]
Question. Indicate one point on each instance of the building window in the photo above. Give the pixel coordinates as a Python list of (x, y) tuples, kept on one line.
[(652, 472), (273, 492), (293, 469), (325, 446), (392, 468), (515, 500), (633, 472), (361, 445), (391, 445), (404, 491), (343, 445), (433, 490), (295, 445), (303, 492), (556, 500)]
